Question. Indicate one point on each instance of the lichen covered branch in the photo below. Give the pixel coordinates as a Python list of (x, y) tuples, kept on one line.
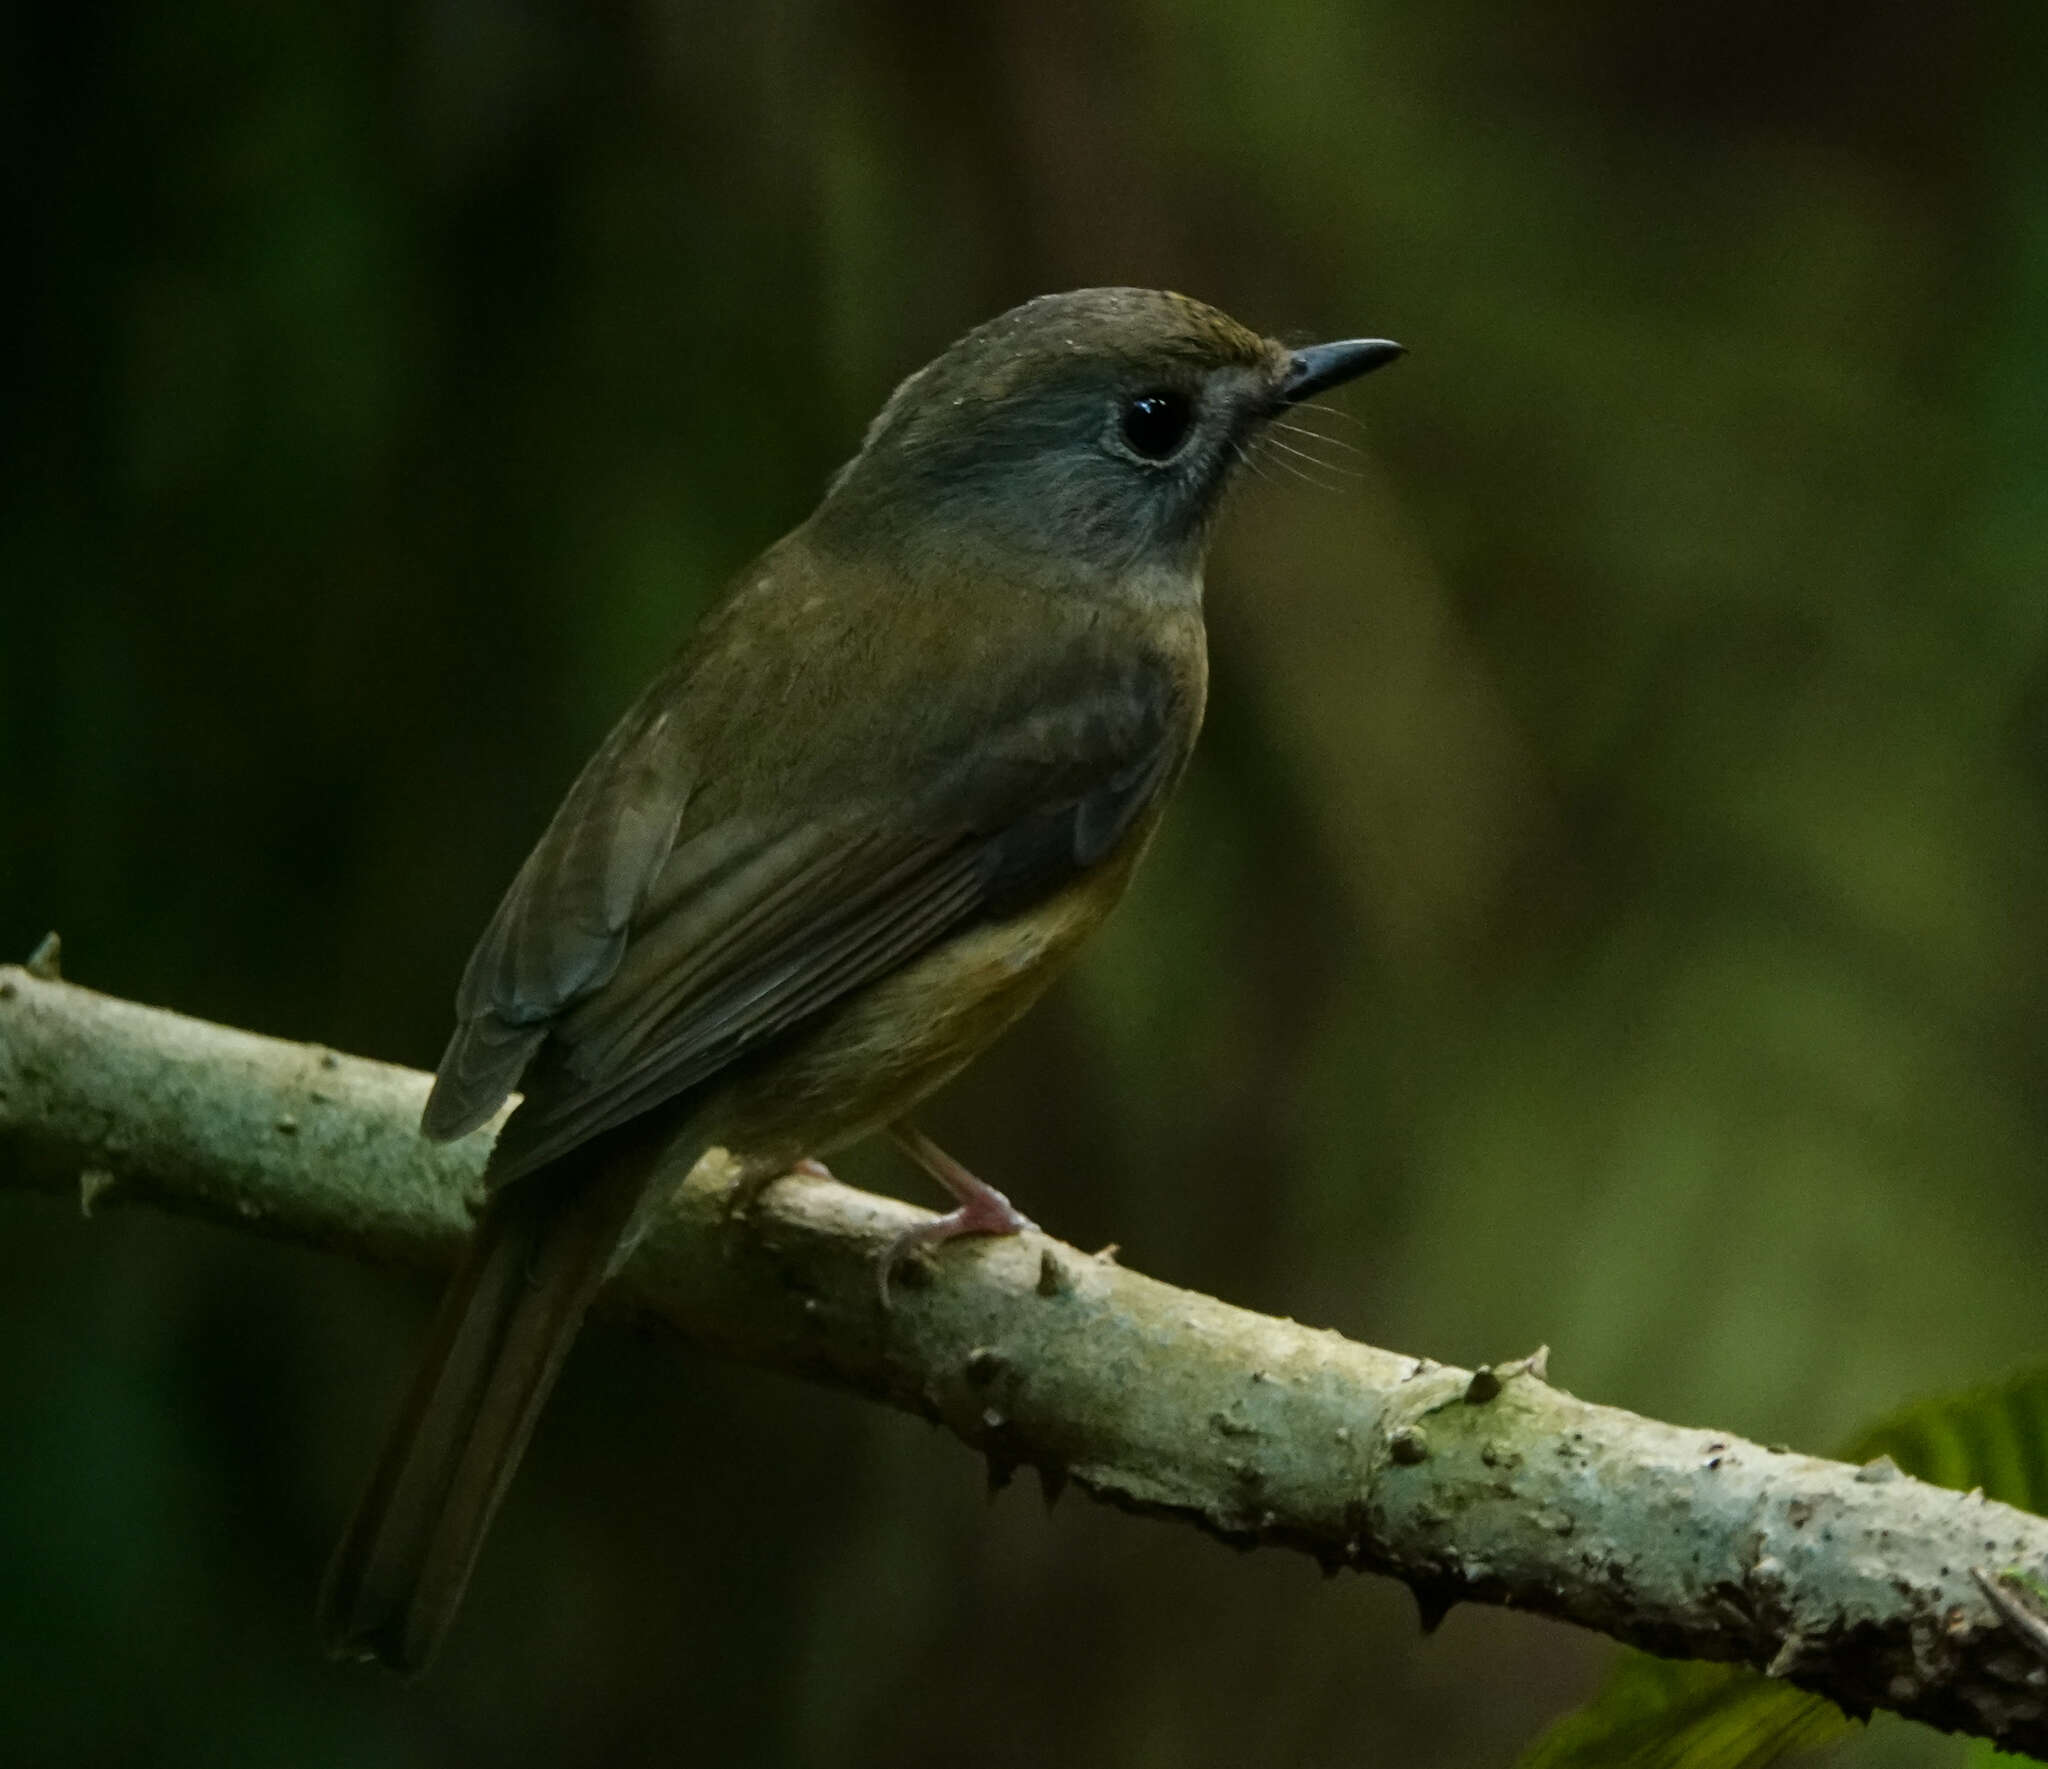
[(1473, 1486)]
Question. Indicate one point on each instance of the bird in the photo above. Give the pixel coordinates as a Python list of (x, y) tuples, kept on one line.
[(896, 774)]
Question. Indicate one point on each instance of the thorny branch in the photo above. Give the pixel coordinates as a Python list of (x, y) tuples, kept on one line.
[(1486, 1486)]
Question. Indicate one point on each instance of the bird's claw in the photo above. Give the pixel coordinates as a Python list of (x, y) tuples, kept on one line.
[(986, 1213)]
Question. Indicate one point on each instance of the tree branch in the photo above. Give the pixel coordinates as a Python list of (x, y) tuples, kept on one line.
[(1488, 1486)]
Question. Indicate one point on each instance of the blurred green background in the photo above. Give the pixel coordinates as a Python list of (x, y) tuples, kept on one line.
[(1606, 909)]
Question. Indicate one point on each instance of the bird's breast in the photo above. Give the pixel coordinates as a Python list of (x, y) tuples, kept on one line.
[(869, 1060)]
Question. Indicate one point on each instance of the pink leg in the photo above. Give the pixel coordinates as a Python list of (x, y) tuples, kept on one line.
[(983, 1210)]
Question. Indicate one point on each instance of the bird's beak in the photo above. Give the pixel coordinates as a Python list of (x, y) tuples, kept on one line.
[(1320, 367)]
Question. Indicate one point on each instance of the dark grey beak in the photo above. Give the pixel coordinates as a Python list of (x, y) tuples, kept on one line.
[(1322, 366)]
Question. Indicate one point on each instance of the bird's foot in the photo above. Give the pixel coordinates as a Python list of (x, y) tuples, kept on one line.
[(991, 1214), (982, 1209), (746, 1190)]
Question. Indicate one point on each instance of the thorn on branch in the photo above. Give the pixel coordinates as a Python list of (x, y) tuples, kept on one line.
[(1432, 1603), (1408, 1446), (1786, 1659), (1488, 1379), (2016, 1601), (46, 962), (93, 1184), (1052, 1277)]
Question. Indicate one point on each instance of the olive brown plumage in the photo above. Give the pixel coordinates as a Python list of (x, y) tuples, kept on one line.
[(843, 840)]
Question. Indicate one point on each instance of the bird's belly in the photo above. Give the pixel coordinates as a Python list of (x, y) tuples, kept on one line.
[(873, 1057)]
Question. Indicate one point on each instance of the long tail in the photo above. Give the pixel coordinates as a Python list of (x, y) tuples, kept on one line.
[(542, 1248)]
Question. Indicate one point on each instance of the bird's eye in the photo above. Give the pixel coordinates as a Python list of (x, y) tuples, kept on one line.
[(1155, 424)]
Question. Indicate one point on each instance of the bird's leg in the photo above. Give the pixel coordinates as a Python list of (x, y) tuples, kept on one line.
[(756, 1178), (983, 1210)]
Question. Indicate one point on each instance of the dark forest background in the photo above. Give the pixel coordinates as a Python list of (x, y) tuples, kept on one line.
[(1607, 909)]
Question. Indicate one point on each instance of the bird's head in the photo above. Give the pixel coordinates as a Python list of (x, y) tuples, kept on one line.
[(1083, 435)]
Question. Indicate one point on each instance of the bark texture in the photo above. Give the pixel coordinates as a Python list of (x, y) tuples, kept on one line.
[(1484, 1486)]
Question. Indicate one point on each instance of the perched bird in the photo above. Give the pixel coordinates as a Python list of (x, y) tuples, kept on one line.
[(843, 840)]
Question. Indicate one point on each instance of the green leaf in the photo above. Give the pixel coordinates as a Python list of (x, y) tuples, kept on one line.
[(1995, 1437), (1982, 1755), (1654, 1713)]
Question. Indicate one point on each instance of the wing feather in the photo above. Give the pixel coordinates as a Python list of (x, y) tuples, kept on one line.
[(636, 957), (562, 927)]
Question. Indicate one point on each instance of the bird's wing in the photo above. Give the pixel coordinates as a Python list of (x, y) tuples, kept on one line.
[(638, 965), (563, 925)]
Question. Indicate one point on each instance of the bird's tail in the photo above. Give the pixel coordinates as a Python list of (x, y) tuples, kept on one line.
[(542, 1247)]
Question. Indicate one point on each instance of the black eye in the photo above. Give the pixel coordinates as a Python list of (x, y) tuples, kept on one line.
[(1155, 424)]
